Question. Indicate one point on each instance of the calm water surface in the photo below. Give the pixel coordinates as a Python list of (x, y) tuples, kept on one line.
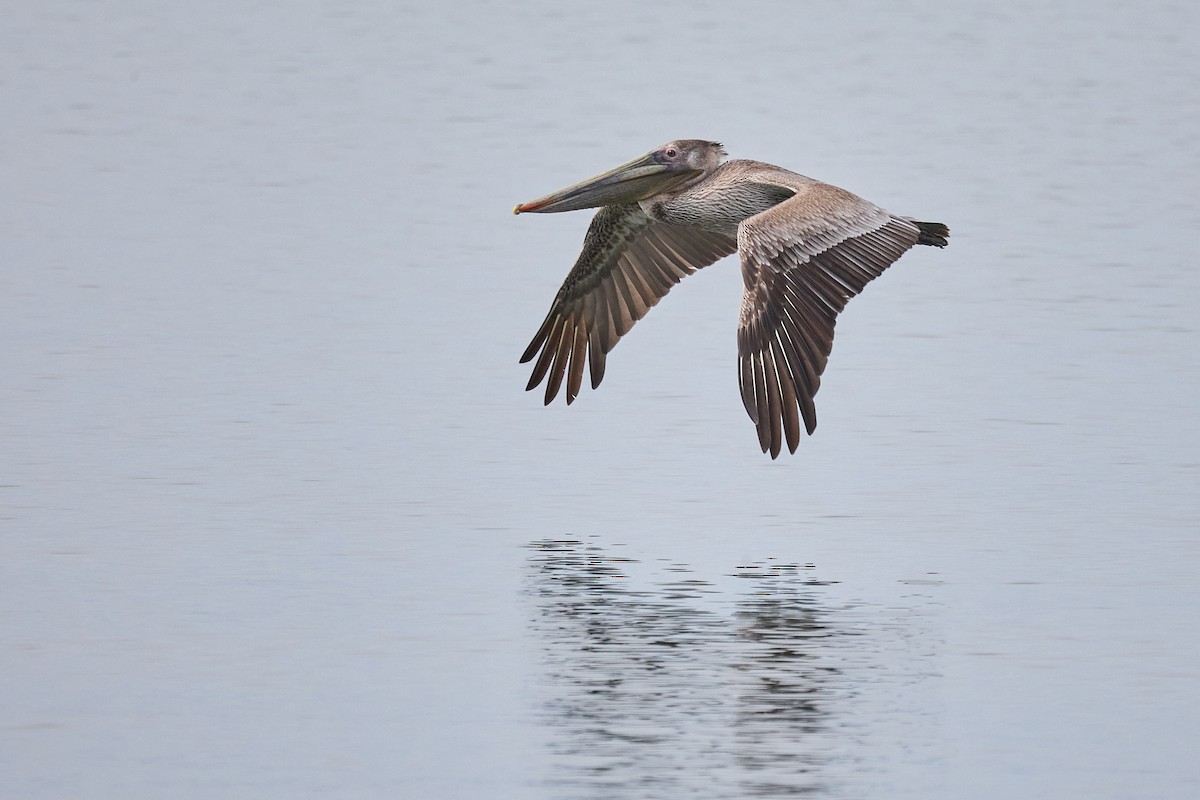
[(277, 519)]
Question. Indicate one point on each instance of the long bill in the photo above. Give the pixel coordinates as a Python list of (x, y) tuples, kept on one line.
[(638, 180)]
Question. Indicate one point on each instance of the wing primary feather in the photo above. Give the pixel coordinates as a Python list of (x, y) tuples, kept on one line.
[(804, 384), (539, 338), (562, 350), (774, 401), (791, 422), (746, 385), (549, 347), (578, 354), (596, 359), (800, 357), (760, 402), (604, 328)]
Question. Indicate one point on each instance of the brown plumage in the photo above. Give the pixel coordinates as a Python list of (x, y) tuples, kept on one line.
[(806, 248)]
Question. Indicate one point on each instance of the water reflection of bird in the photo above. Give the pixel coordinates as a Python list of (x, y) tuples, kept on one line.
[(652, 691), (806, 248)]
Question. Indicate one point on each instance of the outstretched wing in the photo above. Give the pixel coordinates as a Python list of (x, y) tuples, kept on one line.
[(629, 261), (802, 260)]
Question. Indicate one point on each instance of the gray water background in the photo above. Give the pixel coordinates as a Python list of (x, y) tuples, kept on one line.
[(277, 519)]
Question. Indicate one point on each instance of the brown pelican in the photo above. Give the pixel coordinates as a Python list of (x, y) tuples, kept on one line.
[(806, 248)]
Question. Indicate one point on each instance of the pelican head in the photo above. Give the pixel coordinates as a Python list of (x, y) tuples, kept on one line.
[(661, 170)]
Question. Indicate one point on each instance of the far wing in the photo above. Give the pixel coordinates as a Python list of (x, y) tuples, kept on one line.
[(629, 262), (802, 260)]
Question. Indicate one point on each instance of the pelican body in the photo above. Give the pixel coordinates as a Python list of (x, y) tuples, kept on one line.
[(806, 248)]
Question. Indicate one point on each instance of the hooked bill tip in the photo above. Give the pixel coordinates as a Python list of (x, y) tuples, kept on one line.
[(525, 208)]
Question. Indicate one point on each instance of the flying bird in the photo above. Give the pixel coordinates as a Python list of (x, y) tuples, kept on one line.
[(806, 248)]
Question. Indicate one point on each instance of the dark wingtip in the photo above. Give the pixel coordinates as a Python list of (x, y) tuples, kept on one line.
[(934, 234), (534, 347)]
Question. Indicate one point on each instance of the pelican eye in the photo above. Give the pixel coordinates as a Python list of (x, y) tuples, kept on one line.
[(671, 152)]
